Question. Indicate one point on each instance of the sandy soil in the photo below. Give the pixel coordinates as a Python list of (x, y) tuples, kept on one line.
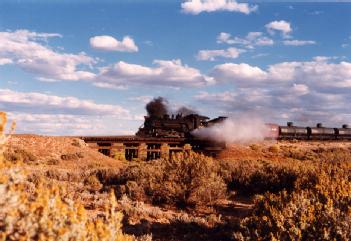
[(65, 152)]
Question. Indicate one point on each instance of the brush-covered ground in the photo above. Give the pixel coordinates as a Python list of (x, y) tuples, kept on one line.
[(262, 191)]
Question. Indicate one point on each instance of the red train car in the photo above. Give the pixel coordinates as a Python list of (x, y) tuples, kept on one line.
[(272, 131)]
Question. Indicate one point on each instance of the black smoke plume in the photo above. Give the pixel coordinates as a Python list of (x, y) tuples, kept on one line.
[(157, 107), (185, 111)]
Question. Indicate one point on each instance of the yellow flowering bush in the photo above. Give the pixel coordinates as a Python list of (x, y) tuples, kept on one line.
[(43, 211), (319, 212)]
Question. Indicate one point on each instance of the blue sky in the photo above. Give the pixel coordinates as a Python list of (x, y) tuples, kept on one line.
[(89, 67)]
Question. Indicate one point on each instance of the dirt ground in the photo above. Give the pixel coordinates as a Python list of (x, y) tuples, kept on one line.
[(64, 152)]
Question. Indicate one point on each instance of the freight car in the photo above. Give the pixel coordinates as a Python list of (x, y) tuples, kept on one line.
[(318, 132)]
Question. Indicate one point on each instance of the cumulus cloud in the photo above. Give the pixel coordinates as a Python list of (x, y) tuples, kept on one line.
[(296, 42), (319, 72), (240, 74), (306, 92), (109, 43), (27, 50), (166, 73), (197, 6), (251, 40), (289, 103), (279, 26), (65, 124), (41, 113), (212, 55), (34, 102), (241, 100)]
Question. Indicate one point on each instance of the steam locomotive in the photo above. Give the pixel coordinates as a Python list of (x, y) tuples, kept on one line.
[(174, 126), (178, 126)]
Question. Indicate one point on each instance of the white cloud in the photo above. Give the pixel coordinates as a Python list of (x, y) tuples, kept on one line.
[(54, 115), (308, 91), (48, 80), (4, 61), (318, 72), (197, 6), (300, 89), (264, 41), (219, 97), (295, 102), (34, 102), (231, 53), (298, 42), (144, 98), (238, 100), (251, 40), (240, 74), (26, 50), (73, 125), (281, 26), (224, 38), (109, 43), (166, 73)]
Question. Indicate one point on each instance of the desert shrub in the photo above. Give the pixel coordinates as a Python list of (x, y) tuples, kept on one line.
[(257, 177), (119, 156), (273, 149), (255, 147), (46, 215), (19, 155), (185, 180), (78, 142), (334, 154), (93, 183), (107, 176), (321, 212), (47, 212), (295, 153), (72, 156), (53, 161)]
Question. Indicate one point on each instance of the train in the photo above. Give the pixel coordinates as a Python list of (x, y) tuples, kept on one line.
[(319, 132), (179, 126), (172, 126)]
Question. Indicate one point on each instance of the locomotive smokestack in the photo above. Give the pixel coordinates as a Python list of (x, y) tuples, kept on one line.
[(157, 107)]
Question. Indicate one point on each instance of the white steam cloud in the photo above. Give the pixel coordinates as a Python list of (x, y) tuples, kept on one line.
[(232, 130)]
